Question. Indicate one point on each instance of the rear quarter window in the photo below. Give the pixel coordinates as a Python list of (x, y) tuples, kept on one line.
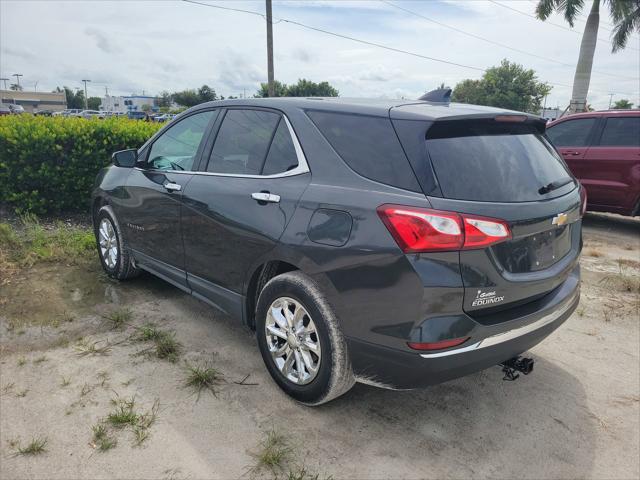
[(621, 132), (369, 145)]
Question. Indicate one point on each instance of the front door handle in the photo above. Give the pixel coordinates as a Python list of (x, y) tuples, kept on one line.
[(173, 187), (570, 153), (266, 197)]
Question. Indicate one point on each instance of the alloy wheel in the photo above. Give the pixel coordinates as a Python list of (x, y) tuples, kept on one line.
[(108, 242), (293, 340)]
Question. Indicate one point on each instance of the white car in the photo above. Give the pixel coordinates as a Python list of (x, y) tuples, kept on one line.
[(90, 114), (16, 108)]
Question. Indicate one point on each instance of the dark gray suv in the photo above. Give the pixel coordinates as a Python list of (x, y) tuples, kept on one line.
[(394, 243)]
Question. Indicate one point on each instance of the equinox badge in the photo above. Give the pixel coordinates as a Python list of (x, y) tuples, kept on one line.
[(559, 219)]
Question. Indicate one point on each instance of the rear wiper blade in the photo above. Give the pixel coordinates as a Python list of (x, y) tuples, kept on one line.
[(555, 185)]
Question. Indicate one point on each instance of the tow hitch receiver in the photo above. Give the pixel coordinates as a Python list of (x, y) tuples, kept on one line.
[(516, 364)]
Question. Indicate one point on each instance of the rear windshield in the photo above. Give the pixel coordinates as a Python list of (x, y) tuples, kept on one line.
[(495, 162)]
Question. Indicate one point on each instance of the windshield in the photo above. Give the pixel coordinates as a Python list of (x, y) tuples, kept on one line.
[(492, 162)]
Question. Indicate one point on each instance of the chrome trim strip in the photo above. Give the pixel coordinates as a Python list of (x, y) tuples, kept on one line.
[(509, 334), (303, 166)]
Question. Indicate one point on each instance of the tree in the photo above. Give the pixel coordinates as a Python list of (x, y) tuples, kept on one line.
[(93, 103), (279, 88), (186, 98), (626, 18), (164, 99), (15, 87), (509, 85), (74, 100), (206, 94), (623, 104), (304, 88)]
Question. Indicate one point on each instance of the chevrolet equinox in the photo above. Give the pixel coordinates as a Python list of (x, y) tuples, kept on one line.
[(395, 243)]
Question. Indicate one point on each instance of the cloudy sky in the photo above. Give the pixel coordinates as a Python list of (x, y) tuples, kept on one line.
[(150, 46)]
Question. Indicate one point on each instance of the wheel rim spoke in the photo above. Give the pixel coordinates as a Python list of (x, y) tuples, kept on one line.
[(277, 332), (292, 340)]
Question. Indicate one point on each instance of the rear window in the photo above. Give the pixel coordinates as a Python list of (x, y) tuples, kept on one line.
[(369, 146), (494, 162), (621, 132)]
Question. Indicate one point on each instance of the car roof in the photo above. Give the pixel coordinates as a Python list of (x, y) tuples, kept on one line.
[(599, 113), (397, 109)]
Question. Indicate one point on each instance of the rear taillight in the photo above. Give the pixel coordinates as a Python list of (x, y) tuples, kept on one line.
[(426, 230), (583, 200)]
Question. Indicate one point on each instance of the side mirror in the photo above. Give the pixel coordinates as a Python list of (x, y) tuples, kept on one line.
[(125, 158)]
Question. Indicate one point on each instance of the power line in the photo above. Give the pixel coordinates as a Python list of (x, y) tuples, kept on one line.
[(339, 35), (411, 12), (548, 22), (358, 40)]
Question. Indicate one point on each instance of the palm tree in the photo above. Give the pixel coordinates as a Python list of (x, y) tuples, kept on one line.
[(626, 18)]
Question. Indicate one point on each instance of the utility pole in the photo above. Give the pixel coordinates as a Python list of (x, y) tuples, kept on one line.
[(5, 80), (86, 104), (272, 92), (35, 86), (610, 99), (17, 75)]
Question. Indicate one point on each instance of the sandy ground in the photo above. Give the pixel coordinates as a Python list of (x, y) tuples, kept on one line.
[(576, 416)]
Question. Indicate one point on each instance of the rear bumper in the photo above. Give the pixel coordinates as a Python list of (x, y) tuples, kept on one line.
[(489, 345)]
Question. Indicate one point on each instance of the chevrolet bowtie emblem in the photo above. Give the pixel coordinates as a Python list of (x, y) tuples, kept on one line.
[(560, 219)]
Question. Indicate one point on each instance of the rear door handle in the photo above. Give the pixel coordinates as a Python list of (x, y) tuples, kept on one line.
[(570, 153), (173, 187), (266, 197)]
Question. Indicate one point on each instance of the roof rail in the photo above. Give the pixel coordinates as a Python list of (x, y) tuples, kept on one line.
[(440, 95)]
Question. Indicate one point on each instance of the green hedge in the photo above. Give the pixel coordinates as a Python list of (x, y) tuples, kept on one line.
[(48, 164)]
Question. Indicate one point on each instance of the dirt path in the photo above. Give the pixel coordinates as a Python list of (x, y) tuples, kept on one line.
[(576, 416)]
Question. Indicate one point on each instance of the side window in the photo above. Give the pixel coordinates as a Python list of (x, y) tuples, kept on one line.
[(572, 133), (176, 148), (282, 155), (369, 146), (621, 132), (243, 141)]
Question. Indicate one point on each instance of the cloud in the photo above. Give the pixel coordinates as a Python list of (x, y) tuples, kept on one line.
[(302, 55), (380, 73), (102, 41), (236, 73)]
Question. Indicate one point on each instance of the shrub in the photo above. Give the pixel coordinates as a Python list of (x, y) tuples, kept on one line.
[(48, 164)]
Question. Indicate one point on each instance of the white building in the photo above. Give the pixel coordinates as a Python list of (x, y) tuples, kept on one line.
[(550, 114), (113, 103)]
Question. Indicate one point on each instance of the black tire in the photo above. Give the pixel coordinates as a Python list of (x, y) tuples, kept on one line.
[(334, 375), (124, 267)]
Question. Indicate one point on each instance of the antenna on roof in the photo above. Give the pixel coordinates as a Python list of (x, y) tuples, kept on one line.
[(440, 95)]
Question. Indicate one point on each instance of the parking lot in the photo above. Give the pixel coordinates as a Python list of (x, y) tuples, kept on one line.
[(64, 359)]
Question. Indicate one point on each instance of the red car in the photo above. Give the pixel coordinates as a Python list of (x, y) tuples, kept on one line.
[(602, 150)]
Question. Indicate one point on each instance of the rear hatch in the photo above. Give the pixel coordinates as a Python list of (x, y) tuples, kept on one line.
[(503, 168)]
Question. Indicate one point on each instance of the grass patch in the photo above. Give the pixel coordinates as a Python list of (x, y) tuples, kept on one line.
[(274, 453), (622, 281), (203, 377), (125, 415), (65, 382), (85, 347), (40, 360), (593, 252), (34, 447), (165, 345), (102, 439), (22, 393), (119, 318), (31, 243), (628, 263)]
